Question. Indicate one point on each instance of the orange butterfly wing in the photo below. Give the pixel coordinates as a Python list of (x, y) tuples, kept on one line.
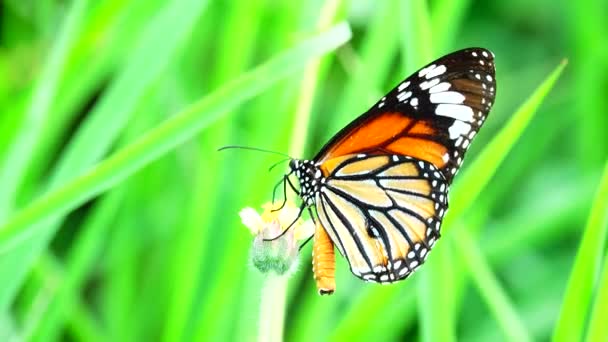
[(389, 133), (433, 115)]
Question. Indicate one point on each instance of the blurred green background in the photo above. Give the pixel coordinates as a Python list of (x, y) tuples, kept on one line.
[(163, 255)]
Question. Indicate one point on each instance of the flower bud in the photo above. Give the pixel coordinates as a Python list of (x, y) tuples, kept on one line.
[(272, 254)]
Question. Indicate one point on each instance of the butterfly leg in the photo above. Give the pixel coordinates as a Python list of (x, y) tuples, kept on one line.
[(312, 217), (284, 182), (293, 187), (290, 225)]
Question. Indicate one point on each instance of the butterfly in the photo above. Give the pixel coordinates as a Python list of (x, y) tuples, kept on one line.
[(379, 187)]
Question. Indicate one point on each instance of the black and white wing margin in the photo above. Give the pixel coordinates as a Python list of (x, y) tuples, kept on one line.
[(383, 212), (453, 95)]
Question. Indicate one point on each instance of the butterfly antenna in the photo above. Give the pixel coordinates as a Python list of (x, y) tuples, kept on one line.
[(277, 163), (253, 149)]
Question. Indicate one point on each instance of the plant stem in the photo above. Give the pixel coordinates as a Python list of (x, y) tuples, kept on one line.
[(272, 309)]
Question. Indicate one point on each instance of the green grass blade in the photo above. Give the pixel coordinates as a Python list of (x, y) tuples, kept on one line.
[(166, 136), (396, 301), (81, 259), (16, 161), (373, 61), (447, 17), (416, 34), (597, 323), (583, 278), (238, 31), (480, 172), (489, 287), (587, 33), (467, 187), (475, 179), (51, 275), (303, 111), (435, 290), (309, 85), (436, 297), (94, 59), (98, 132), (112, 112), (313, 73)]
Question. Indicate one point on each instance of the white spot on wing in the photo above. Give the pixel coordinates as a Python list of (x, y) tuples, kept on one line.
[(440, 87), (414, 101), (426, 70), (427, 84), (403, 85), (447, 97), (457, 143), (436, 72), (403, 96), (458, 112)]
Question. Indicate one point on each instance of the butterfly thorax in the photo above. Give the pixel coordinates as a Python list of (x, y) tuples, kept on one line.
[(310, 177)]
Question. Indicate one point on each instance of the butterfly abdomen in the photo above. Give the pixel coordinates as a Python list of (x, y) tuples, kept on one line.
[(323, 261)]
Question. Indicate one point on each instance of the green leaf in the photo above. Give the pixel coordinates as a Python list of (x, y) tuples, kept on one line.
[(467, 187), (16, 161), (583, 278), (597, 323), (103, 124), (489, 286)]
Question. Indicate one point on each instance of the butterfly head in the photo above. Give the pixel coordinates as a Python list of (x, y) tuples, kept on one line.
[(310, 178)]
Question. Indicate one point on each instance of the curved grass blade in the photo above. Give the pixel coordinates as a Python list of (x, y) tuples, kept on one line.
[(165, 137), (483, 168), (579, 291), (597, 323), (18, 155), (96, 134), (489, 286)]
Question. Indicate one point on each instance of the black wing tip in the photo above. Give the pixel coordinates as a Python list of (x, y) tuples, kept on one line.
[(476, 55), (475, 58), (478, 50)]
